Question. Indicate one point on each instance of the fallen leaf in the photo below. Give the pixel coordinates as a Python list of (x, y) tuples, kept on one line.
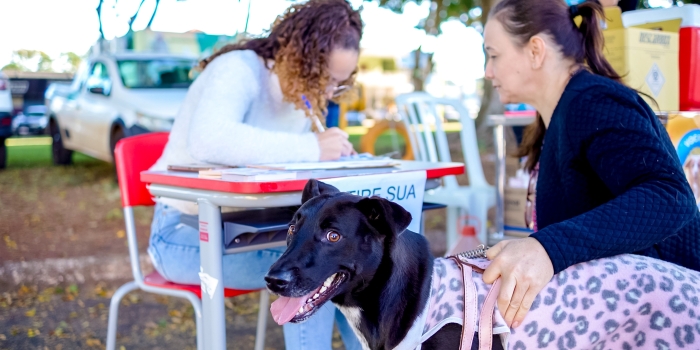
[(115, 213), (23, 290), (73, 289), (30, 313), (32, 332), (73, 314), (10, 243), (3, 337), (93, 342), (121, 234), (100, 291), (58, 332), (122, 347)]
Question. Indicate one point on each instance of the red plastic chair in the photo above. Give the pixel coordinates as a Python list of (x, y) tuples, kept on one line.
[(132, 156)]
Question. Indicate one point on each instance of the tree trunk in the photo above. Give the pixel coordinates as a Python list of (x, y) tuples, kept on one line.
[(99, 19), (431, 27), (489, 92), (133, 18), (153, 15)]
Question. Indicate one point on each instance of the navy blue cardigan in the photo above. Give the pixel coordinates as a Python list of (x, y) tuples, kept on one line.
[(610, 181)]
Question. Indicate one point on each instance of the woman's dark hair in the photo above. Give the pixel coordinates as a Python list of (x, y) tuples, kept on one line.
[(300, 42), (523, 19)]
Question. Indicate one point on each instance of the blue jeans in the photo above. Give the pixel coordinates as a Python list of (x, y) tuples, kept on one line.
[(174, 251)]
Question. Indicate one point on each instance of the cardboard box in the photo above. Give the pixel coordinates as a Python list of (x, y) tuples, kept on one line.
[(689, 53), (515, 204), (646, 56)]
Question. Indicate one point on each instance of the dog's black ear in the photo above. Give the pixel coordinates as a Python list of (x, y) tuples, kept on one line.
[(384, 214), (315, 188)]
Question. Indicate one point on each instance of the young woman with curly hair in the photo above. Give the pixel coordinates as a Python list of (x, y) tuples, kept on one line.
[(248, 106)]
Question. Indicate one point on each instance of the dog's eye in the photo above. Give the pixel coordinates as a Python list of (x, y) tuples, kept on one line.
[(291, 230), (333, 236)]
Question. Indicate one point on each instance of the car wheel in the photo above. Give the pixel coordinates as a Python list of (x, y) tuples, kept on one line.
[(117, 135), (61, 155), (3, 154)]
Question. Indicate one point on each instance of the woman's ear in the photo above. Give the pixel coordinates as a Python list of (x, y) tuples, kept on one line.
[(536, 51)]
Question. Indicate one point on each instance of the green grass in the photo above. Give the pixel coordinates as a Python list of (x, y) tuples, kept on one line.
[(39, 156)]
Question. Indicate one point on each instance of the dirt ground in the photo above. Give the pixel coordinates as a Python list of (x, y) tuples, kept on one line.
[(49, 212)]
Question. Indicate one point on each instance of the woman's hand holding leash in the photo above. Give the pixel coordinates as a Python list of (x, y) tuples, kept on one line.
[(524, 268)]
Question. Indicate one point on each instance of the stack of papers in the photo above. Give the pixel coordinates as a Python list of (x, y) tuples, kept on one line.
[(292, 171), (249, 174), (333, 165)]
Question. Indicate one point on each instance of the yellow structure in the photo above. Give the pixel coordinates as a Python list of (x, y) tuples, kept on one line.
[(646, 56)]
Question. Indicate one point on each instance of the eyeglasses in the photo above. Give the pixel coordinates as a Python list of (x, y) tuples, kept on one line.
[(337, 91), (531, 195)]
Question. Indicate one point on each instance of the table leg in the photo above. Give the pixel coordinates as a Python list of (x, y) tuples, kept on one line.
[(211, 275), (500, 145)]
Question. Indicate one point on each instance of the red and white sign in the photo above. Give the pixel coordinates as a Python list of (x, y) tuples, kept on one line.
[(203, 231)]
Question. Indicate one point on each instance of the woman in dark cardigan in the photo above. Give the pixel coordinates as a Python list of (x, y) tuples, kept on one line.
[(610, 181)]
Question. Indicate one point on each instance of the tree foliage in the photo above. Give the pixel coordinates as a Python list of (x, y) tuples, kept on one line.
[(30, 61)]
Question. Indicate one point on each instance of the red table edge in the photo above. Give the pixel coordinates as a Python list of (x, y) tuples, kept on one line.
[(263, 187)]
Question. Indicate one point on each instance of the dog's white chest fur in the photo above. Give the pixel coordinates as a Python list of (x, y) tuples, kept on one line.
[(352, 314)]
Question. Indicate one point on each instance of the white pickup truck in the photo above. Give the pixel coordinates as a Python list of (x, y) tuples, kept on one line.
[(115, 96)]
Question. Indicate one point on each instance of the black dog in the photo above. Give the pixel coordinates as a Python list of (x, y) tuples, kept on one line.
[(357, 253)]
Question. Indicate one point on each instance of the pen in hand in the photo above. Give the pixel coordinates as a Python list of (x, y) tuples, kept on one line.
[(314, 117)]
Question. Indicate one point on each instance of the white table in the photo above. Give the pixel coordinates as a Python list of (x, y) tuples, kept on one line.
[(212, 194)]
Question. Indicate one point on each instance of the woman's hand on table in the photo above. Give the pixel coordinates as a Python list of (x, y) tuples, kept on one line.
[(334, 144), (524, 268)]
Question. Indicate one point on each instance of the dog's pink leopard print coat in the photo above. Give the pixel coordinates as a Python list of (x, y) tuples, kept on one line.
[(622, 302)]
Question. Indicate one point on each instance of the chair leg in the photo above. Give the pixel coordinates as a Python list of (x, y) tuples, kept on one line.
[(482, 212), (262, 319), (197, 306), (114, 312), (452, 217)]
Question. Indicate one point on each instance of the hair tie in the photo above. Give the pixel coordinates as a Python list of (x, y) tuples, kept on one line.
[(573, 11)]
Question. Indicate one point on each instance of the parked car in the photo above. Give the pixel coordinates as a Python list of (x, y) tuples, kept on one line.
[(55, 88), (5, 117), (32, 123), (116, 96)]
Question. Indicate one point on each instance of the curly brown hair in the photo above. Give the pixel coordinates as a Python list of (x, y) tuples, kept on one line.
[(300, 43)]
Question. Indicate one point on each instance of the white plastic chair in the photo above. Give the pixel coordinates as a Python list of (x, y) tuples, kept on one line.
[(419, 112)]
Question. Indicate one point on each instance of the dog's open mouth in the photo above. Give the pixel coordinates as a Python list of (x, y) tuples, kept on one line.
[(287, 309)]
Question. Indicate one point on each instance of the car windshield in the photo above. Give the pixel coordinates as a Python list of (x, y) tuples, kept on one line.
[(156, 73)]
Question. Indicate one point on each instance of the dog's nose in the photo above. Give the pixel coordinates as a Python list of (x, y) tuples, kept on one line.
[(278, 279)]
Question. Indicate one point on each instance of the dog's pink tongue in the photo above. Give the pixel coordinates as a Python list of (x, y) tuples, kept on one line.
[(284, 308)]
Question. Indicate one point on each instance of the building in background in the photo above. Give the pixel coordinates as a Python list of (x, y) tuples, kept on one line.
[(28, 88)]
